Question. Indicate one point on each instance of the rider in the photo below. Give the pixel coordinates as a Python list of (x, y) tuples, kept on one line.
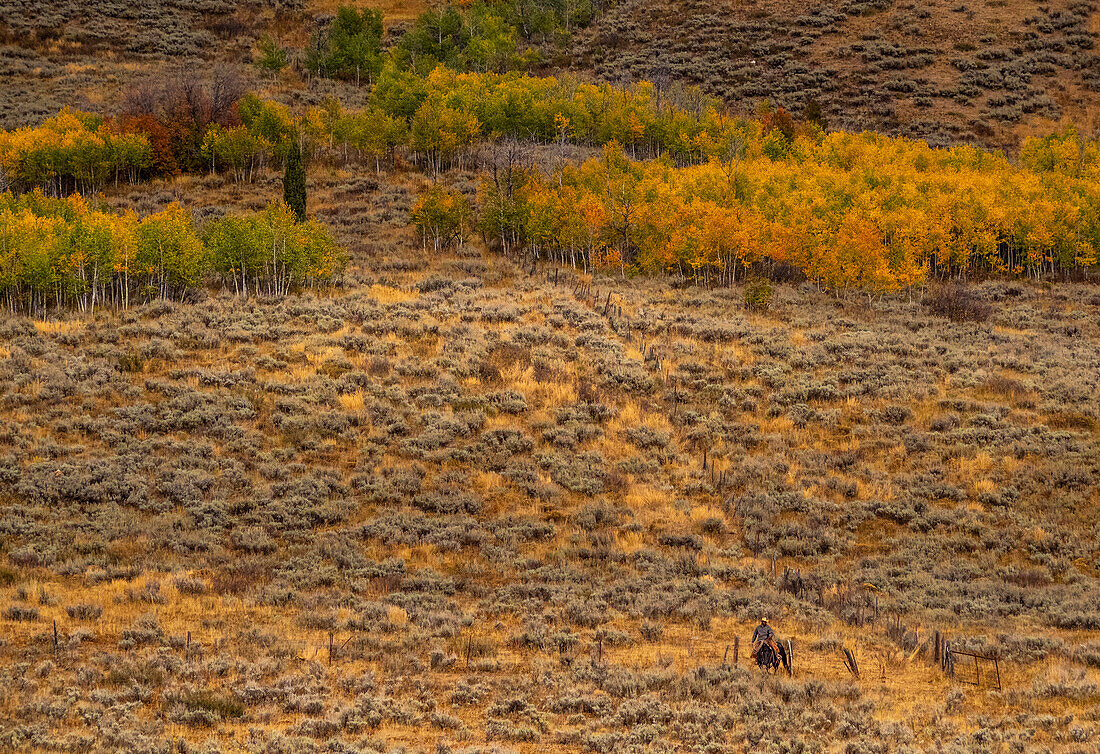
[(763, 634)]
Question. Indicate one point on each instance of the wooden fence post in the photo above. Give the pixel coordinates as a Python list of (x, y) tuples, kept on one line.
[(736, 649), (850, 662)]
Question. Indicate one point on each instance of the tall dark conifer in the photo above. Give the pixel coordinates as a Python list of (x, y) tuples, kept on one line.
[(294, 183)]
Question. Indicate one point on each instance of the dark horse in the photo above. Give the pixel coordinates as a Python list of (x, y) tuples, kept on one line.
[(766, 657)]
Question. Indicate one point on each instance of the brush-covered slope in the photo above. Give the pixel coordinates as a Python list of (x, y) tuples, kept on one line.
[(938, 69)]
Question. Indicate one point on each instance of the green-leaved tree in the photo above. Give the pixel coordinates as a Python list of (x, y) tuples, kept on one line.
[(350, 47), (271, 58)]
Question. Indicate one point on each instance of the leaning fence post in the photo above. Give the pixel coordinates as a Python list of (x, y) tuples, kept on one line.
[(997, 667), (790, 658), (736, 648), (850, 662)]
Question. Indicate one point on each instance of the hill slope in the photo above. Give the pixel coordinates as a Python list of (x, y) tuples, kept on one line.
[(937, 69), (945, 71), (455, 505)]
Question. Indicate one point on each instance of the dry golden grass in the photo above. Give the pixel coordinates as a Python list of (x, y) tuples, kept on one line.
[(384, 294), (58, 326), (974, 467), (631, 414), (397, 615), (352, 401), (392, 10)]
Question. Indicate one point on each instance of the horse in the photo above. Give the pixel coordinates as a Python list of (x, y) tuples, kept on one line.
[(767, 659)]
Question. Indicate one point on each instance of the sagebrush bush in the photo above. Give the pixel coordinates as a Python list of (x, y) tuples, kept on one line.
[(958, 303), (758, 295)]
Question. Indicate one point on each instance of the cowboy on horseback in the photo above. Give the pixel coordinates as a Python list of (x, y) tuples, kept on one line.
[(763, 634)]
